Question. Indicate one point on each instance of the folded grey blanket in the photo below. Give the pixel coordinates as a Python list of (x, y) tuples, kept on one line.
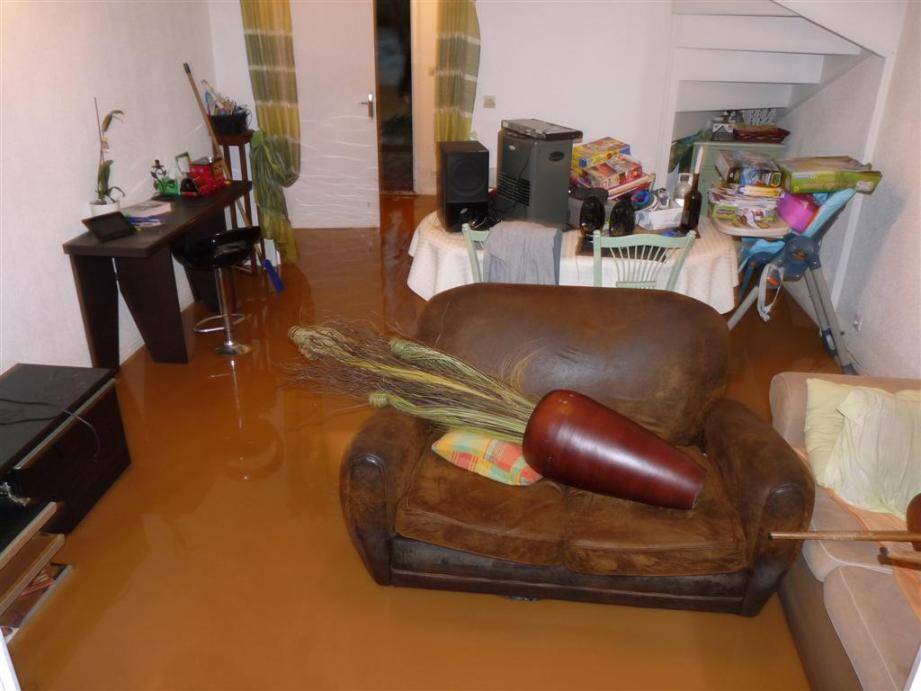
[(522, 252)]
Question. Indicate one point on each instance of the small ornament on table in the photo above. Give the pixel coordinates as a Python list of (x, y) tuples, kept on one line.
[(164, 185)]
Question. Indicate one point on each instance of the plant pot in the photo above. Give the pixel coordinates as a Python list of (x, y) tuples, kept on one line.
[(575, 440), (100, 209)]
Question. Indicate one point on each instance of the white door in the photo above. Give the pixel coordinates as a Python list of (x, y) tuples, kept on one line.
[(334, 61)]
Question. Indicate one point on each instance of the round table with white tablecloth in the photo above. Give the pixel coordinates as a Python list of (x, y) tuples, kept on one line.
[(440, 262)]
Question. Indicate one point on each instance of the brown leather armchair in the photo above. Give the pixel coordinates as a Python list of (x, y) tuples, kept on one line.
[(660, 358)]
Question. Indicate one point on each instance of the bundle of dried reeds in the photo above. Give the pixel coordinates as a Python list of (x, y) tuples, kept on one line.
[(566, 436), (412, 378)]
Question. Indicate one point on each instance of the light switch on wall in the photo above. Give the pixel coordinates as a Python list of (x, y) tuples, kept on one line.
[(489, 101)]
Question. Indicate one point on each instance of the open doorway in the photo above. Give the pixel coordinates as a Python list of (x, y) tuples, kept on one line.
[(393, 58)]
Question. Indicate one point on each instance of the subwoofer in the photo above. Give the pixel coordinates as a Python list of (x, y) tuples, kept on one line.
[(463, 183)]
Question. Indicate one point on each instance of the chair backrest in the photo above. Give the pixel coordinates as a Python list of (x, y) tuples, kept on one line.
[(640, 259), (474, 239)]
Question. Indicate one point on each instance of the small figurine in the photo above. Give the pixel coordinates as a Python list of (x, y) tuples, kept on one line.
[(164, 185)]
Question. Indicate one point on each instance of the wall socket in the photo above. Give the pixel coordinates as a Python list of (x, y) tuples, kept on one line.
[(489, 101)]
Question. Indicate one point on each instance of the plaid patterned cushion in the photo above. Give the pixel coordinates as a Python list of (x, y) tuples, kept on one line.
[(501, 461)]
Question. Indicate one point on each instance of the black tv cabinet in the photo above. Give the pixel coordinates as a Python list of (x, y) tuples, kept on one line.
[(63, 439)]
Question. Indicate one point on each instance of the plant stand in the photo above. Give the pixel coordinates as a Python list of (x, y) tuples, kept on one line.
[(239, 141)]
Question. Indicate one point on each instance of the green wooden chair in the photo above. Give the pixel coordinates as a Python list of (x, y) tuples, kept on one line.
[(640, 259), (474, 239)]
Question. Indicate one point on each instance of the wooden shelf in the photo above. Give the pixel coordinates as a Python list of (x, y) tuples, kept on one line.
[(23, 530), (25, 566)]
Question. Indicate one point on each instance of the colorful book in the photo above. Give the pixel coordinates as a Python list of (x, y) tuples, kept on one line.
[(598, 151), (747, 168)]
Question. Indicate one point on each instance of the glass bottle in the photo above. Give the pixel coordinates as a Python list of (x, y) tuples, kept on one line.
[(690, 212)]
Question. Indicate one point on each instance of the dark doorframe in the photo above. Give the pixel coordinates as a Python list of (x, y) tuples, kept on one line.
[(393, 61)]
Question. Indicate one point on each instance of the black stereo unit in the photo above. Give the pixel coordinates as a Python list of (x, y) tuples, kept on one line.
[(463, 183)]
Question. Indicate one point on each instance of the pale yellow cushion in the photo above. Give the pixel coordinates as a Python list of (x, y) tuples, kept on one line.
[(875, 463), (823, 421)]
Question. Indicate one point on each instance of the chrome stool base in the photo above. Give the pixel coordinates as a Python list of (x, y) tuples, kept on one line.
[(226, 301), (232, 348), (199, 327)]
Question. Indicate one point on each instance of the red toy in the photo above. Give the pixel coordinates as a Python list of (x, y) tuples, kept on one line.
[(208, 176)]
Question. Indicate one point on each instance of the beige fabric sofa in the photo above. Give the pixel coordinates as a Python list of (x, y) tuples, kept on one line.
[(850, 620)]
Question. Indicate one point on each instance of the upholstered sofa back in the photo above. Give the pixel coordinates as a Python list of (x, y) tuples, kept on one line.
[(659, 358)]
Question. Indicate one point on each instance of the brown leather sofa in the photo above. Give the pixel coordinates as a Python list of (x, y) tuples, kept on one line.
[(660, 358)]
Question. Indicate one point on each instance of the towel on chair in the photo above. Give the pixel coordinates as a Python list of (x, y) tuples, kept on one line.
[(522, 252)]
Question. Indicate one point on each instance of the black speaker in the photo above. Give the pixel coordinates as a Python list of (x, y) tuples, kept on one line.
[(463, 183)]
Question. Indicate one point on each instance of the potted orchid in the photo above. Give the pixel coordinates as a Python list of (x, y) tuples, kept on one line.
[(105, 201)]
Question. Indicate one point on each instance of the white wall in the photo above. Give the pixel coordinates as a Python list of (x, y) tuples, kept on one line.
[(596, 66), (56, 56), (834, 122), (883, 285)]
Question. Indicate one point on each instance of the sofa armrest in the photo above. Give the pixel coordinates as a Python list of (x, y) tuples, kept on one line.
[(770, 486), (788, 406), (374, 474)]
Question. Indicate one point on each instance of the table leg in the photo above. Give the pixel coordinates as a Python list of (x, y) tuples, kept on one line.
[(149, 287), (98, 295)]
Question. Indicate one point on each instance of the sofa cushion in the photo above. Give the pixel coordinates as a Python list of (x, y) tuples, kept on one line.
[(824, 556), (878, 629), (451, 507), (548, 523), (607, 536)]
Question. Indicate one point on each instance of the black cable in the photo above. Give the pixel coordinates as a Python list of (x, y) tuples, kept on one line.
[(17, 421)]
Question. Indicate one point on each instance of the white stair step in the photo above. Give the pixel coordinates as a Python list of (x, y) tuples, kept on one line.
[(694, 95), (761, 8), (873, 24), (748, 66), (766, 34)]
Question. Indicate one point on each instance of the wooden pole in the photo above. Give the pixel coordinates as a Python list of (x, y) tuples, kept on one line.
[(854, 535), (903, 557)]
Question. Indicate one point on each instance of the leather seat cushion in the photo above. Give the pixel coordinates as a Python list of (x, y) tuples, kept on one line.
[(551, 524), (607, 536), (447, 506)]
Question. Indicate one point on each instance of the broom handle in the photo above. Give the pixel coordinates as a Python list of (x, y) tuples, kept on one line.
[(214, 142), (857, 536), (907, 557)]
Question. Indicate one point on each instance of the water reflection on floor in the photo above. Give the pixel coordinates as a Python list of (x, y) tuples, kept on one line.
[(220, 559)]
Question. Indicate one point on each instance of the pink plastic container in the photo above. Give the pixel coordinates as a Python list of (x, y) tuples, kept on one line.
[(797, 210)]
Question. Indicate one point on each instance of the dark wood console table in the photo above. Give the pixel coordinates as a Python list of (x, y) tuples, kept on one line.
[(144, 267)]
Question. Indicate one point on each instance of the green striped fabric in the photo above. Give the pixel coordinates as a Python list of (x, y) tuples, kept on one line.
[(276, 148), (457, 68)]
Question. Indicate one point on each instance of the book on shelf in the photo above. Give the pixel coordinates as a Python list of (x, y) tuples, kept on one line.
[(146, 209)]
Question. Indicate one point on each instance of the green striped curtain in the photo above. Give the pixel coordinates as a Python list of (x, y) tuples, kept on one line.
[(456, 70), (276, 148)]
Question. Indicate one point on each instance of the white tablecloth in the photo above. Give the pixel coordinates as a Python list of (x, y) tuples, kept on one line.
[(440, 262)]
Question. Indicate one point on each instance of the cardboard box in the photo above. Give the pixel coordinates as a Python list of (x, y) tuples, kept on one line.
[(828, 174), (598, 151)]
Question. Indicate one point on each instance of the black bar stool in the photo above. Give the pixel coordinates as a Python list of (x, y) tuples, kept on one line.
[(219, 253)]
